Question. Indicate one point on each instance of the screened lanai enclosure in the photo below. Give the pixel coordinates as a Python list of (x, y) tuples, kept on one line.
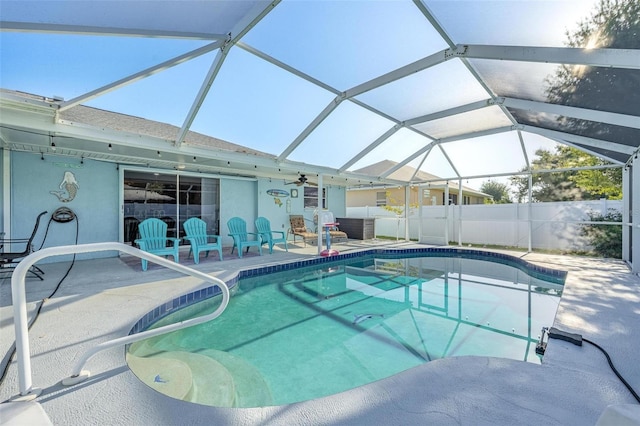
[(465, 91)]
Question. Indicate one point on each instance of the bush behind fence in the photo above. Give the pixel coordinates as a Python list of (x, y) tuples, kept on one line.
[(554, 226)]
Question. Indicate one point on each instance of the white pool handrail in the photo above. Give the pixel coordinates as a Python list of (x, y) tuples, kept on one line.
[(23, 356)]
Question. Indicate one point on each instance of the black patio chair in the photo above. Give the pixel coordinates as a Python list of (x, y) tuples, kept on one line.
[(10, 259)]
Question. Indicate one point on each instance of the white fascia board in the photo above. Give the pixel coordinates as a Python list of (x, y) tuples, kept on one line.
[(581, 113), (139, 75), (27, 116), (608, 58), (36, 27), (582, 140), (41, 105)]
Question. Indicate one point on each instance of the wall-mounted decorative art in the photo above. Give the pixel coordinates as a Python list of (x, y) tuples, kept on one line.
[(68, 188)]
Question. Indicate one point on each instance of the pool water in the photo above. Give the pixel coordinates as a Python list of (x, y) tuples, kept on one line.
[(308, 333)]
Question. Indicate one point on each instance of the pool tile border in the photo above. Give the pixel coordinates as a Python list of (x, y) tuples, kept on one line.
[(536, 271)]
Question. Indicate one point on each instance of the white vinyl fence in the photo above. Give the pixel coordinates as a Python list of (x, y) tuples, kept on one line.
[(554, 226)]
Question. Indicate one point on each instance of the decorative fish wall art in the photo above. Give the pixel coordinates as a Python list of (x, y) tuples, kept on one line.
[(276, 194)]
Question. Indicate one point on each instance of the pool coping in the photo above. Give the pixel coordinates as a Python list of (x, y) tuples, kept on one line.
[(574, 385)]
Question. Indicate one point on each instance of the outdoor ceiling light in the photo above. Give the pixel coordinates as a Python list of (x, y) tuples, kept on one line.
[(194, 159), (159, 154), (53, 145), (110, 147)]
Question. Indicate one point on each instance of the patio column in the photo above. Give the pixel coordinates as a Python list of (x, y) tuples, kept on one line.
[(530, 211), (460, 201), (446, 213), (631, 215), (319, 209), (6, 192), (407, 194)]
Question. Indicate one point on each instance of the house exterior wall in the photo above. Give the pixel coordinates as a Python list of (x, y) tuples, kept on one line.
[(395, 196), (95, 203), (278, 208), (237, 198)]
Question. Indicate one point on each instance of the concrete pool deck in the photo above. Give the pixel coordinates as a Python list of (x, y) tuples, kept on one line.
[(102, 299)]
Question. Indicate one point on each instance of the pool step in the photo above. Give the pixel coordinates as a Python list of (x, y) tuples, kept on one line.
[(214, 377), (168, 376), (250, 387), (180, 374)]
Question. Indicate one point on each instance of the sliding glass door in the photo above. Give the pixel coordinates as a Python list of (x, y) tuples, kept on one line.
[(171, 198)]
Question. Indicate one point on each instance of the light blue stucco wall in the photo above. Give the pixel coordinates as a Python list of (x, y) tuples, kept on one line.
[(277, 211), (96, 202), (237, 198)]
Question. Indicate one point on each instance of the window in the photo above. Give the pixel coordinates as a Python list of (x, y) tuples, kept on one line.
[(453, 199), (311, 197), (381, 199), (170, 197)]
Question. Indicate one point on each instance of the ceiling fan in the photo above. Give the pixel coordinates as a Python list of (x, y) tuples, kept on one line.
[(301, 181)]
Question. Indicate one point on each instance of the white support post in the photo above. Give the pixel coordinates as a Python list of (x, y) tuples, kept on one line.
[(407, 194), (460, 201), (530, 212), (319, 210), (635, 216), (6, 193), (627, 227), (420, 201), (446, 213)]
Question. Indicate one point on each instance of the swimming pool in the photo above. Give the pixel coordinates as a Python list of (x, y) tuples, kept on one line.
[(309, 332)]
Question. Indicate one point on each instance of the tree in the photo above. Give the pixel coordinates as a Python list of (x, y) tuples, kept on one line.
[(568, 185), (614, 24), (498, 191)]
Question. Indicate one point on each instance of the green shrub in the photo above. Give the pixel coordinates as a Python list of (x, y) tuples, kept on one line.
[(605, 239)]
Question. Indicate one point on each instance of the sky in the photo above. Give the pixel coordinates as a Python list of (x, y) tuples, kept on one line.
[(341, 43)]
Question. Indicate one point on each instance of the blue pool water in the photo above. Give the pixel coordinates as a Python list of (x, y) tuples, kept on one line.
[(311, 332)]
